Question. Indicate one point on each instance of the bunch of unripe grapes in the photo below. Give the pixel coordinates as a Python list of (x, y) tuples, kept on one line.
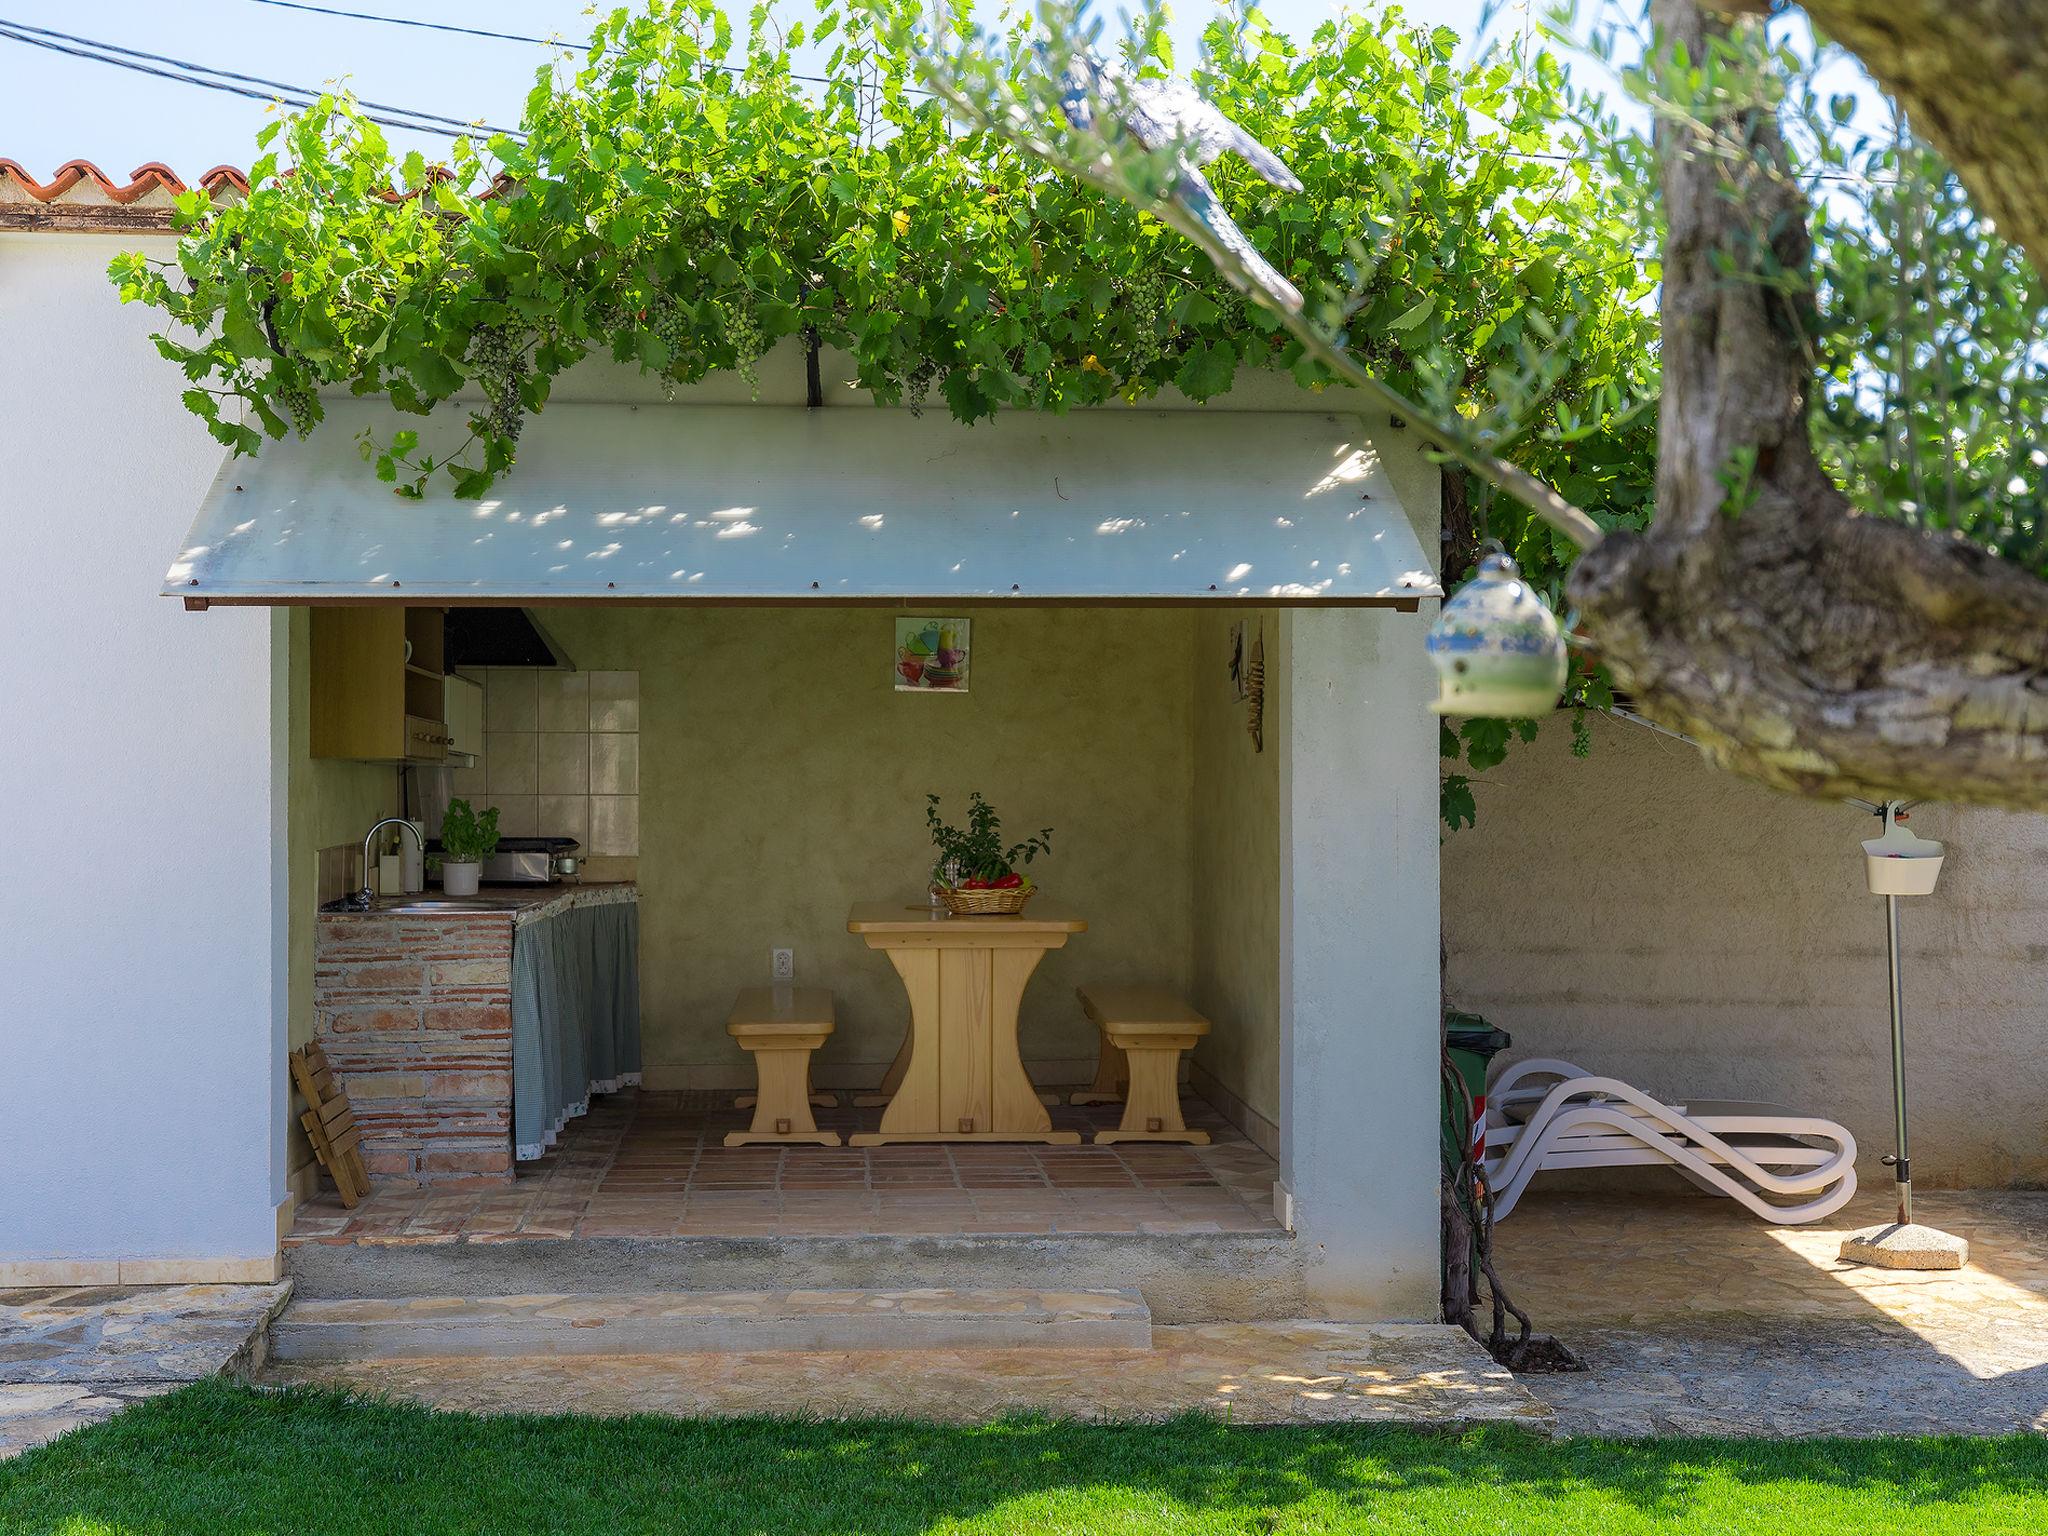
[(498, 364), (671, 323), (743, 335), (296, 401)]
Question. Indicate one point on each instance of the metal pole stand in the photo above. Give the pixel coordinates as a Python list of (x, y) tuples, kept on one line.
[(1903, 1243)]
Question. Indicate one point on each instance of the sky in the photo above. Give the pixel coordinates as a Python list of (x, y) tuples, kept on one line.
[(55, 108)]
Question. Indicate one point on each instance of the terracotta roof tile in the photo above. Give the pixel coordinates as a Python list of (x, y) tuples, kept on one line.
[(82, 196)]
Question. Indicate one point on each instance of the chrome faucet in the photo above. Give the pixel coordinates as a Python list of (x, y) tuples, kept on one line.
[(366, 897)]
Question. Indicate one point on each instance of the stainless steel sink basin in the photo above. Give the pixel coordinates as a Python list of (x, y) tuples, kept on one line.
[(440, 904), (425, 904)]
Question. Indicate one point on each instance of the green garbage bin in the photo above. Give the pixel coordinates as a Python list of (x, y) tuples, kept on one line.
[(1472, 1043)]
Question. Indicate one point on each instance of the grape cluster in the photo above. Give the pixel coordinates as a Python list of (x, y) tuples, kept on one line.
[(671, 322), (917, 385), (743, 335), (297, 402), (1144, 298), (498, 364)]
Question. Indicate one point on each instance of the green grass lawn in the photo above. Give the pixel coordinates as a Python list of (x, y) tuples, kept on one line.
[(230, 1461)]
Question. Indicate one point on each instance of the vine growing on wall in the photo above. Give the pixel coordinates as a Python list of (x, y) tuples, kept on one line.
[(679, 199)]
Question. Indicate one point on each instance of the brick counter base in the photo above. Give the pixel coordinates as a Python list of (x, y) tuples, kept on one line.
[(415, 1013)]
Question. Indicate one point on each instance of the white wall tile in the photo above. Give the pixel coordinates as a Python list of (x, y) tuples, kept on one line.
[(510, 699), (614, 764), (564, 701), (564, 816), (511, 763), (565, 759), (518, 815), (614, 824), (614, 701)]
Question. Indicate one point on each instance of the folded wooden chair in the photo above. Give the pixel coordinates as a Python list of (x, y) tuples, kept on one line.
[(330, 1124)]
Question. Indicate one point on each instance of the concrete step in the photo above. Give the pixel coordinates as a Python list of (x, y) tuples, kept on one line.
[(1185, 1277), (699, 1322)]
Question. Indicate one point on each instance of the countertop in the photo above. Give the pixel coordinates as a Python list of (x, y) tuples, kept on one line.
[(521, 903)]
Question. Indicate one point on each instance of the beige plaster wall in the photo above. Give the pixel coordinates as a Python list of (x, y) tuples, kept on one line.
[(1236, 834), (782, 779), (1646, 916), (1236, 863)]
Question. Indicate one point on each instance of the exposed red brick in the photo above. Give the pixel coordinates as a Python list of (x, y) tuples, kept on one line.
[(386, 977), (493, 972), (479, 1018), (352, 1020), (467, 1160)]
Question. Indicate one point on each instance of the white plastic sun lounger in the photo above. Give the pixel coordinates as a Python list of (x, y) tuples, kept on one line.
[(1545, 1114)]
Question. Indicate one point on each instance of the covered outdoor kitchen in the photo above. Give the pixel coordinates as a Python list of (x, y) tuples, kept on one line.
[(707, 662)]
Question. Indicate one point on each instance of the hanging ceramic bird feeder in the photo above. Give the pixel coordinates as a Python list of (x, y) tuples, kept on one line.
[(1498, 650)]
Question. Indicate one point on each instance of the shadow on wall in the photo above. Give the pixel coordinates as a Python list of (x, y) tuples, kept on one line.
[(1652, 918)]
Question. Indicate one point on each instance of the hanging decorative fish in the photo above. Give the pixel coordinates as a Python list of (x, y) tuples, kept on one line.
[(1255, 692)]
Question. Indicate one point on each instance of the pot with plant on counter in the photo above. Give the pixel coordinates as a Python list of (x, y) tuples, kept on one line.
[(975, 874), (467, 839)]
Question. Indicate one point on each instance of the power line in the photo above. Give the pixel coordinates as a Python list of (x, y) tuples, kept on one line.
[(1848, 178), (424, 26), (254, 87), (523, 37)]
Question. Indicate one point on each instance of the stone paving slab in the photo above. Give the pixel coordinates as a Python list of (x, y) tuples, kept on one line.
[(1699, 1319), (72, 1355), (1744, 1376), (696, 1322), (1251, 1373)]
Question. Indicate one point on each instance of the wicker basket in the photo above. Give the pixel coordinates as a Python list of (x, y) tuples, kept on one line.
[(986, 903)]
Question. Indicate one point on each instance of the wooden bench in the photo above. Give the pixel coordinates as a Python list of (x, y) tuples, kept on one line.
[(780, 1027), (1148, 1026)]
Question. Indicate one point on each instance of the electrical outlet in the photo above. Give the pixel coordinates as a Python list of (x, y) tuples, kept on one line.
[(783, 966)]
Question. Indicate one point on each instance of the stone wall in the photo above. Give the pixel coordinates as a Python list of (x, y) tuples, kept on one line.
[(415, 1014), (1644, 915)]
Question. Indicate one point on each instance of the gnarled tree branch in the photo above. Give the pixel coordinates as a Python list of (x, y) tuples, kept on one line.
[(1800, 644)]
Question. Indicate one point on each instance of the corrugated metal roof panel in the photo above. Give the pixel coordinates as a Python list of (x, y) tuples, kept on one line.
[(770, 503)]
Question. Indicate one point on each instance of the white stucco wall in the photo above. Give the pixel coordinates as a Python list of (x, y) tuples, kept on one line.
[(141, 940), (1647, 916)]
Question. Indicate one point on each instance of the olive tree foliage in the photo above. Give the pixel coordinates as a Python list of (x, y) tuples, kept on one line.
[(1786, 606), (679, 199)]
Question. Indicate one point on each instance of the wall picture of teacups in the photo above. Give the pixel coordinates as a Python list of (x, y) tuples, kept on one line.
[(931, 655)]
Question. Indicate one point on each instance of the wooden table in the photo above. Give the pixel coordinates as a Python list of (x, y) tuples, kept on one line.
[(964, 1080)]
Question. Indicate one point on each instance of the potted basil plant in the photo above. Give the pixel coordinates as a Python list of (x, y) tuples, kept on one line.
[(467, 839)]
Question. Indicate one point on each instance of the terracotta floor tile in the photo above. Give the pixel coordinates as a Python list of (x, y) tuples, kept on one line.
[(651, 1163)]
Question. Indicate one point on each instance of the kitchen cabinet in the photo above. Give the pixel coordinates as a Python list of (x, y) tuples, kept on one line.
[(463, 709), (378, 684)]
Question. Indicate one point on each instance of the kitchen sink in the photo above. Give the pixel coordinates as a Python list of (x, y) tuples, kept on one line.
[(401, 904), (442, 904)]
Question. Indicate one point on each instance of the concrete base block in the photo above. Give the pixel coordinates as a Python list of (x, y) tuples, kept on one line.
[(1910, 1247), (1184, 1277), (710, 1322)]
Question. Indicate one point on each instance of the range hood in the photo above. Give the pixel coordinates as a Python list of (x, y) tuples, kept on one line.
[(500, 637)]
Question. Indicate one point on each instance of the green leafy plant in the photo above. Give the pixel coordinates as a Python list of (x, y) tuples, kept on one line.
[(681, 201), (976, 858), (466, 836)]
